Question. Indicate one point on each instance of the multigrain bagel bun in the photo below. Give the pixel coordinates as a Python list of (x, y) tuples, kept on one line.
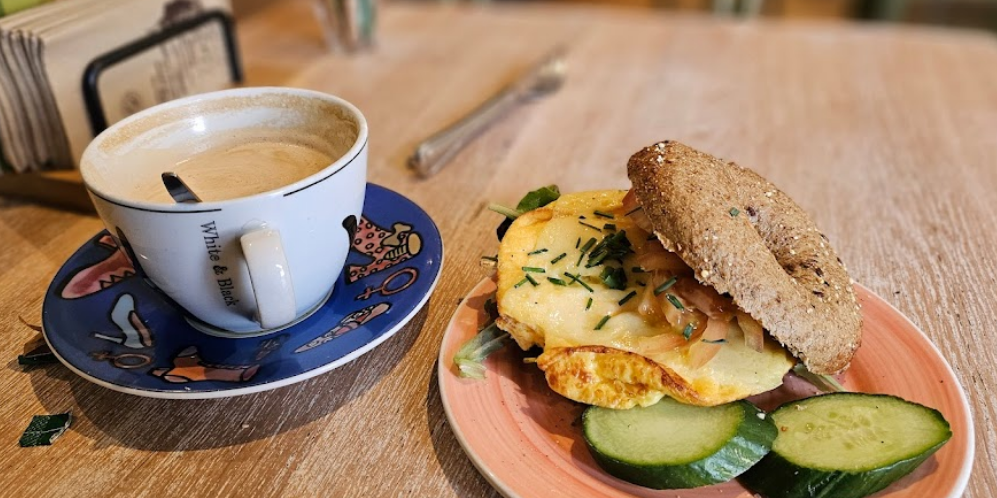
[(746, 238)]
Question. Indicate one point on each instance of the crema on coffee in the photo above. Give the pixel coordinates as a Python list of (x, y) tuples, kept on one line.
[(240, 170), (222, 149)]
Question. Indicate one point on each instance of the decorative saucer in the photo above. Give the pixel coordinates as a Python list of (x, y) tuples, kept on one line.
[(107, 324)]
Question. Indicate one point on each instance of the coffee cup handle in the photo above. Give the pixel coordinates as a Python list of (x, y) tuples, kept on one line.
[(270, 276)]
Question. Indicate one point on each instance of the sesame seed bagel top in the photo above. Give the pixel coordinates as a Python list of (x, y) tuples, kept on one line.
[(747, 238)]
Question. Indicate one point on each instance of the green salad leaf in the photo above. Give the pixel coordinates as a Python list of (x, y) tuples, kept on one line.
[(472, 354), (532, 200), (825, 383), (538, 198)]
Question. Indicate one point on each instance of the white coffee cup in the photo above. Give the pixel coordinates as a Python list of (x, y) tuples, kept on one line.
[(248, 262)]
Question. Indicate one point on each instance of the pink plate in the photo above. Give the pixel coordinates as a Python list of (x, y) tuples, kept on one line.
[(526, 440)]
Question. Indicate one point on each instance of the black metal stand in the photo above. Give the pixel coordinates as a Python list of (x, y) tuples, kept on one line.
[(92, 73)]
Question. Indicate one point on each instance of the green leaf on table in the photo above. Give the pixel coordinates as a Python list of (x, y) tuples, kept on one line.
[(45, 429), (40, 355), (471, 356), (36, 350)]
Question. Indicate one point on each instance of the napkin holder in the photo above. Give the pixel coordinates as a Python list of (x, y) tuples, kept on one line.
[(64, 188)]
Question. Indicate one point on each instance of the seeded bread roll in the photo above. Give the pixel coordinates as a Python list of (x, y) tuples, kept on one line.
[(746, 238)]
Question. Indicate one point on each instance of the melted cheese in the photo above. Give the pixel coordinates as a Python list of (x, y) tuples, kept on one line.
[(609, 366)]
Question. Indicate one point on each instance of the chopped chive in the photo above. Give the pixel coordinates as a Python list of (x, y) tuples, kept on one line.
[(588, 245), (538, 251), (580, 281), (577, 242), (588, 304), (596, 260), (533, 269), (735, 211), (612, 247), (580, 256), (609, 226), (614, 278), (602, 322), (718, 341), (687, 331), (599, 247), (665, 286), (627, 298), (632, 211), (675, 301), (637, 269), (604, 215), (590, 226), (521, 282), (530, 279), (559, 258), (557, 281)]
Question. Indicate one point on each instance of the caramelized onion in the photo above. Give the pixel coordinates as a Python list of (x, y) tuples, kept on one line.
[(754, 335), (648, 306), (662, 260), (702, 352), (633, 211), (638, 238), (641, 220), (672, 314), (630, 201), (661, 343), (705, 299)]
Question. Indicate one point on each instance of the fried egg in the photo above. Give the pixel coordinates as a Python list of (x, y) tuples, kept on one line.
[(601, 344)]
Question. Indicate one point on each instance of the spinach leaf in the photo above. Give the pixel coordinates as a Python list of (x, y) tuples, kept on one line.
[(532, 200)]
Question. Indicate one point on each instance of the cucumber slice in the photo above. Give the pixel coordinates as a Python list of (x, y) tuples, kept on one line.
[(846, 445), (670, 445)]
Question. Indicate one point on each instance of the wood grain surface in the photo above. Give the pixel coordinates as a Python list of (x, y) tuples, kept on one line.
[(888, 136)]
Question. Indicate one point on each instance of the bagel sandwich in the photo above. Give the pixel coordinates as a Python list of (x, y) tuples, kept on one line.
[(700, 283)]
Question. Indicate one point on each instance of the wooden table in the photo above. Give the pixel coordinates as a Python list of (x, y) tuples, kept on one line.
[(888, 136)]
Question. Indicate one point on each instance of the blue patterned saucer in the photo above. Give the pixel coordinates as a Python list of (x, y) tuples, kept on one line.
[(107, 324)]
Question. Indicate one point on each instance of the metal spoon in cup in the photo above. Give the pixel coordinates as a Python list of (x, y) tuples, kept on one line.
[(178, 190)]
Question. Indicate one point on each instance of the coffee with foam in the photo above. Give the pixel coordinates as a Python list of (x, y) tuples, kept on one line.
[(216, 155), (243, 169)]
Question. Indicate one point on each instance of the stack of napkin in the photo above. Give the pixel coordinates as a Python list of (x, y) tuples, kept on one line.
[(45, 53)]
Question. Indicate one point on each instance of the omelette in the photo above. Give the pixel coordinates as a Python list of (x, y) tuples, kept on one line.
[(621, 321)]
